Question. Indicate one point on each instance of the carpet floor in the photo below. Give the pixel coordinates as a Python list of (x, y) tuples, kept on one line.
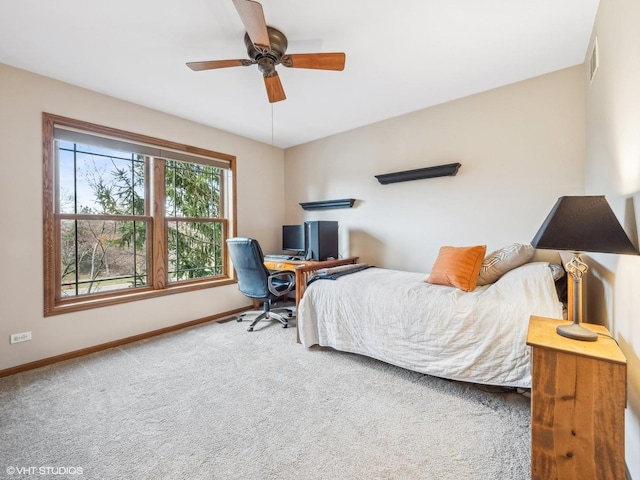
[(217, 402)]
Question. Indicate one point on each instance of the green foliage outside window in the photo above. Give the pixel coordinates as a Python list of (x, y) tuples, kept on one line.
[(194, 247)]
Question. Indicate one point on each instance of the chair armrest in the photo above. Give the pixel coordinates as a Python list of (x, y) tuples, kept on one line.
[(285, 275)]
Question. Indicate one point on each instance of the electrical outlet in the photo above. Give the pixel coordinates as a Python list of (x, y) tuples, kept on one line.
[(20, 337)]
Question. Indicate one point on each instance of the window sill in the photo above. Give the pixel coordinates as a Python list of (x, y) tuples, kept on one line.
[(104, 300)]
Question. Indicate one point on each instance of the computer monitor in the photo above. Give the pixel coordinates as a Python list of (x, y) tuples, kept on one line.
[(293, 239)]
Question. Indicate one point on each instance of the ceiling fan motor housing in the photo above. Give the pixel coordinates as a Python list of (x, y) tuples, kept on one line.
[(267, 58)]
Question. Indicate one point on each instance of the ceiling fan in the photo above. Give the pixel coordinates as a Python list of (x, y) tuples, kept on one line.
[(266, 47)]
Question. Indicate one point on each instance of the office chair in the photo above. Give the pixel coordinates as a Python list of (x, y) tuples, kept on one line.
[(257, 282)]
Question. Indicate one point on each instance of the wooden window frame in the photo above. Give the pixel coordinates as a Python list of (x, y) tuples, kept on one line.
[(158, 285)]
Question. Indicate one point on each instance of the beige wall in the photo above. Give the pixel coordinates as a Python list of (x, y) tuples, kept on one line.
[(23, 98), (613, 169), (521, 147)]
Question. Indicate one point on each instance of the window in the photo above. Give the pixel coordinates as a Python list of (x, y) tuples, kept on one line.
[(128, 216)]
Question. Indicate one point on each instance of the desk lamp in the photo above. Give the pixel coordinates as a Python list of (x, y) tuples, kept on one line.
[(582, 224)]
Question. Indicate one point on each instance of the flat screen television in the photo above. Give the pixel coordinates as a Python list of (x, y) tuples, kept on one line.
[(293, 239)]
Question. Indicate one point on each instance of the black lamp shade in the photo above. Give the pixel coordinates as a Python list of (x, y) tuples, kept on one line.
[(583, 224)]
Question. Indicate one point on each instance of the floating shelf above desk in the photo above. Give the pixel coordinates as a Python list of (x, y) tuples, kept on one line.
[(327, 204)]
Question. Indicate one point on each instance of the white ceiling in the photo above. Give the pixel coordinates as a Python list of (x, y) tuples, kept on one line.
[(402, 56)]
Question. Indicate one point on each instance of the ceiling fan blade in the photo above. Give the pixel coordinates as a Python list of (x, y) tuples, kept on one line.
[(210, 65), (275, 92), (319, 61), (252, 17)]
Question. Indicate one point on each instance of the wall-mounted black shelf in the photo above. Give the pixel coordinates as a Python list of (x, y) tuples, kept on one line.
[(327, 204), (449, 169)]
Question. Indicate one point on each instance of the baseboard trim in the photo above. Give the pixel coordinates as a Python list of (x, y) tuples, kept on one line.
[(116, 343)]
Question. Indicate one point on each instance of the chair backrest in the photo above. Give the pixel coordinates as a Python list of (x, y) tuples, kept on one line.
[(248, 261)]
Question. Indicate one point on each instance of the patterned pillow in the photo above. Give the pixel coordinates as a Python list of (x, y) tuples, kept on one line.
[(458, 267), (501, 261)]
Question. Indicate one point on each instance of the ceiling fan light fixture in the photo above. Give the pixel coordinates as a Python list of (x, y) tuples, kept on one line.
[(267, 66)]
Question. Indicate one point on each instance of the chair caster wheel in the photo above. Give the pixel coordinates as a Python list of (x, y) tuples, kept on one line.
[(239, 319), (285, 326), (250, 329)]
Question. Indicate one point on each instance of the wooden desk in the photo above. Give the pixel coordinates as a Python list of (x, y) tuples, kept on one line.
[(578, 397), (303, 269), (290, 265)]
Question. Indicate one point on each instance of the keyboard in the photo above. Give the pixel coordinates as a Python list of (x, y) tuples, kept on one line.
[(277, 256)]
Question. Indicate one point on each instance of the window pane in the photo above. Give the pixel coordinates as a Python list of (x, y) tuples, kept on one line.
[(193, 190), (66, 180), (102, 255), (195, 250), (95, 180)]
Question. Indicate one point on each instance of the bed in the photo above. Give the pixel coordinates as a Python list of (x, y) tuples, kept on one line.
[(396, 317)]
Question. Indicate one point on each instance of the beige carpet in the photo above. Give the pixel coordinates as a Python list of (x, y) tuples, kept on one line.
[(217, 402)]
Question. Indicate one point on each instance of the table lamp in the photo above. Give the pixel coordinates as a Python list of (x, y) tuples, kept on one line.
[(582, 224)]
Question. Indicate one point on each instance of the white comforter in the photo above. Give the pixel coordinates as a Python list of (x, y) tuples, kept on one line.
[(396, 317)]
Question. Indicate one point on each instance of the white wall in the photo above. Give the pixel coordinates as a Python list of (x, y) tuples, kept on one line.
[(521, 147), (23, 98), (613, 169)]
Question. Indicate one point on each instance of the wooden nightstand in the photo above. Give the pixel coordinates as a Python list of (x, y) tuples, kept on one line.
[(578, 397)]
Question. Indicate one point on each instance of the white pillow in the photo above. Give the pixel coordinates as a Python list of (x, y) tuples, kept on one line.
[(499, 262)]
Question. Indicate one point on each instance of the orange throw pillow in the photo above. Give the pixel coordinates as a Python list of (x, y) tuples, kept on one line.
[(458, 267)]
